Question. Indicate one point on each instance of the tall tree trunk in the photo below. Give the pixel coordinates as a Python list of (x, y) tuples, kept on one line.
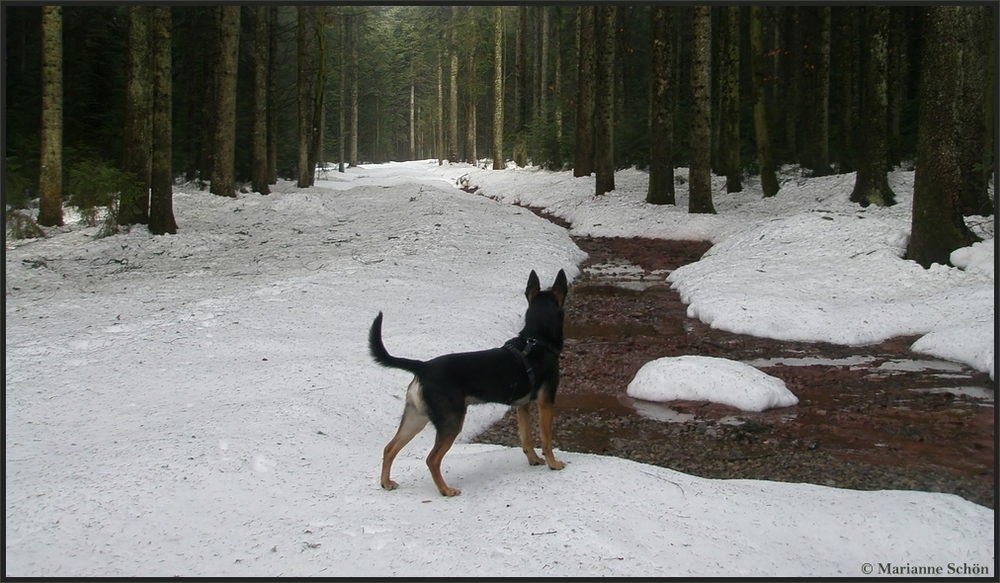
[(729, 102), (521, 87), (794, 66), (161, 200), (453, 92), (318, 94), (353, 39), (850, 72), (133, 204), (557, 114), (700, 172), (341, 128), (272, 94), (661, 126), (822, 159), (262, 41), (872, 183), (604, 100), (898, 74), (470, 136), (937, 224), (543, 71), (223, 170), (583, 159), (413, 143), (977, 22), (498, 161), (50, 211), (439, 122), (765, 158), (209, 115), (302, 97)]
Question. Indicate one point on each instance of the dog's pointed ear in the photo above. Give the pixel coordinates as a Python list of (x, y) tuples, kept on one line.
[(533, 286), (560, 288)]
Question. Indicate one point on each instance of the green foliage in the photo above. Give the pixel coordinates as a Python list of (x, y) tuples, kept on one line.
[(19, 182), (96, 190)]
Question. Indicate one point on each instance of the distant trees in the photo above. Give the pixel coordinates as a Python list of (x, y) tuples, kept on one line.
[(830, 89)]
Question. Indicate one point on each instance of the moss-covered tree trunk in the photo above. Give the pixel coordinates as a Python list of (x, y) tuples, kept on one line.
[(872, 183), (729, 98), (498, 161), (262, 39), (700, 172), (937, 225), (133, 204), (161, 205), (661, 123), (50, 211), (223, 167), (765, 157)]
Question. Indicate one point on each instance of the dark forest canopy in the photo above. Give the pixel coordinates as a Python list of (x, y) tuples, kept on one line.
[(380, 83)]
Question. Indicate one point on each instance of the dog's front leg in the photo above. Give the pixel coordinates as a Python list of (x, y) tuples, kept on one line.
[(546, 413), (524, 430)]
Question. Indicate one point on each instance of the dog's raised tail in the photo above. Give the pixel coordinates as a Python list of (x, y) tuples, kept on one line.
[(382, 356)]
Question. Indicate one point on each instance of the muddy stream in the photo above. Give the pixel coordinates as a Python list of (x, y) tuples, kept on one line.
[(869, 417)]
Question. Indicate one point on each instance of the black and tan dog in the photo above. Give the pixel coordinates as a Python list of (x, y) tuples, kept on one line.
[(525, 369)]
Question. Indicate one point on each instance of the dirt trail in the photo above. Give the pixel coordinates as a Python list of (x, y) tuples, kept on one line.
[(871, 417)]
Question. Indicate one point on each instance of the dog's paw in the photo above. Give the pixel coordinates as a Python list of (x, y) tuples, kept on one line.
[(557, 465), (450, 492), (389, 485)]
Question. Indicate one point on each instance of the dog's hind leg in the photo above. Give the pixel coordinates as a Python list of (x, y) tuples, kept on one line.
[(410, 425), (442, 444), (524, 431), (546, 413)]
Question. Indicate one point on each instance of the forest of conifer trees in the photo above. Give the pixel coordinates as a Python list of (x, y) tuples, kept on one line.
[(735, 91)]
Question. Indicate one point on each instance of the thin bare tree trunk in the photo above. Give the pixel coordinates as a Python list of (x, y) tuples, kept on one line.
[(498, 162), (453, 94), (729, 102), (272, 92), (262, 39), (583, 159), (604, 100)]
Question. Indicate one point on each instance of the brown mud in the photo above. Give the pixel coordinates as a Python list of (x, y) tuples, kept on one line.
[(869, 417)]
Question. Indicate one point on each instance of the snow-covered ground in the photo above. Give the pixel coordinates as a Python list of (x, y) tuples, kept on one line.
[(204, 404)]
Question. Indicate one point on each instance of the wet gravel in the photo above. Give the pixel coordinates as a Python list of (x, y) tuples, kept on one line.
[(869, 418)]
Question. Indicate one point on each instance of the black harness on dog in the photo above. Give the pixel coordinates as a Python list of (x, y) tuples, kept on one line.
[(529, 345)]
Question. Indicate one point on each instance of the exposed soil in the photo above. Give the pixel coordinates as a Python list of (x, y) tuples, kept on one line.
[(869, 418)]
